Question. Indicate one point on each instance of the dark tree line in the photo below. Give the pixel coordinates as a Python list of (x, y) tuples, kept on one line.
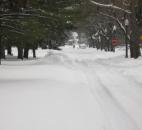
[(28, 24)]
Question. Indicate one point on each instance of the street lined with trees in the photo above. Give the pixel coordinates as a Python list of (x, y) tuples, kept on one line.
[(70, 65), (29, 24)]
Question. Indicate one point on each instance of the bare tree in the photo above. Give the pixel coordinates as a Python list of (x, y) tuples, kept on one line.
[(119, 10)]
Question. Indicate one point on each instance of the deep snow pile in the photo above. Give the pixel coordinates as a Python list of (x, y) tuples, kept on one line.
[(72, 89)]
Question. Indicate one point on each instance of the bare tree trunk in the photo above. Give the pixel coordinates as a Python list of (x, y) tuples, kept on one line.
[(2, 51), (34, 52), (9, 50), (20, 52), (26, 52), (134, 41)]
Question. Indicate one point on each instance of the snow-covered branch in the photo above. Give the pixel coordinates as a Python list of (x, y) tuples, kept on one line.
[(9, 20), (11, 28), (118, 22), (110, 6), (23, 15), (14, 14), (116, 19)]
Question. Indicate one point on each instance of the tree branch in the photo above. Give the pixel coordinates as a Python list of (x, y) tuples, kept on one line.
[(110, 6), (117, 20), (11, 28)]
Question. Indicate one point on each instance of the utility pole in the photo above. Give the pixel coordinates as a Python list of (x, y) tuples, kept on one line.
[(126, 40), (0, 49), (0, 43)]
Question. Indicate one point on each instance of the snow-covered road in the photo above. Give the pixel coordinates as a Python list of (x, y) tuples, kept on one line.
[(72, 90)]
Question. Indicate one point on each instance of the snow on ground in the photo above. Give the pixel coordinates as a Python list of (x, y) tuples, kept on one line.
[(72, 89)]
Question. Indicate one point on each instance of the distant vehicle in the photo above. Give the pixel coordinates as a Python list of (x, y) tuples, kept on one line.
[(83, 46)]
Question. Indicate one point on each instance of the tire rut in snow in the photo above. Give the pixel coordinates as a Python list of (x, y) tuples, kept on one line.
[(117, 118)]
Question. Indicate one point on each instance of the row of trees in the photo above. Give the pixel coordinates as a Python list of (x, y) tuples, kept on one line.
[(110, 20), (116, 17), (28, 24)]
